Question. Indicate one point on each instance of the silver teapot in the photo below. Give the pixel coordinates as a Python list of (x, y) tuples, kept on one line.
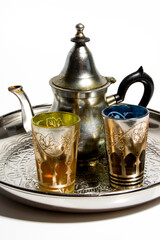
[(80, 89)]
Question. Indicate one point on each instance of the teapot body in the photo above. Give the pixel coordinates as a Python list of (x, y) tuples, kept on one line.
[(88, 106)]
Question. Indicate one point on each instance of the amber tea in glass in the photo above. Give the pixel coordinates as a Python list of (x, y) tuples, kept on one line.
[(55, 140)]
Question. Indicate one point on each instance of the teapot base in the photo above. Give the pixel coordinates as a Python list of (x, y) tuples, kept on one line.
[(90, 159)]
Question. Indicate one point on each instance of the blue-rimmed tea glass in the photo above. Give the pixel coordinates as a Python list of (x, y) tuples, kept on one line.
[(126, 129)]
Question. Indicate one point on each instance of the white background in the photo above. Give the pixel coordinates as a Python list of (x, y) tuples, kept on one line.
[(34, 42)]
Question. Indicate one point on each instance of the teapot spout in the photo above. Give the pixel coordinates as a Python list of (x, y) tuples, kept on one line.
[(27, 111)]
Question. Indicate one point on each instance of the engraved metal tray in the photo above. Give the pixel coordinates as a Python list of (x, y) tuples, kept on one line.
[(93, 193)]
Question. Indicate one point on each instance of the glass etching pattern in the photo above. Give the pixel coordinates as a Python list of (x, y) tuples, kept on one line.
[(126, 138), (55, 141)]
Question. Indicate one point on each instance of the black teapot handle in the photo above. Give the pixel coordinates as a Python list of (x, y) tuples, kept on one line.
[(138, 76)]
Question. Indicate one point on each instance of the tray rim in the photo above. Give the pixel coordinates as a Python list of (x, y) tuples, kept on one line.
[(72, 195)]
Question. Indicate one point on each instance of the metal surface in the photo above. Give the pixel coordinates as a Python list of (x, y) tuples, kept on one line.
[(81, 90), (91, 130), (79, 72), (27, 111), (93, 193)]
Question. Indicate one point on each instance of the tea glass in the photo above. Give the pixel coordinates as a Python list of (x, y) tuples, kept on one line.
[(126, 130), (55, 141)]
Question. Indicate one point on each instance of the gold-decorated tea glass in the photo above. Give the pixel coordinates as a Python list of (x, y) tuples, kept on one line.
[(126, 130), (55, 140)]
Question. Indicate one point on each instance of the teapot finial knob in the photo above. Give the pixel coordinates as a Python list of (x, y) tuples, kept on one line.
[(80, 37), (80, 28)]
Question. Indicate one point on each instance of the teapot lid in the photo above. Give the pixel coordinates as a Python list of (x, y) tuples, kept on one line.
[(79, 72)]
